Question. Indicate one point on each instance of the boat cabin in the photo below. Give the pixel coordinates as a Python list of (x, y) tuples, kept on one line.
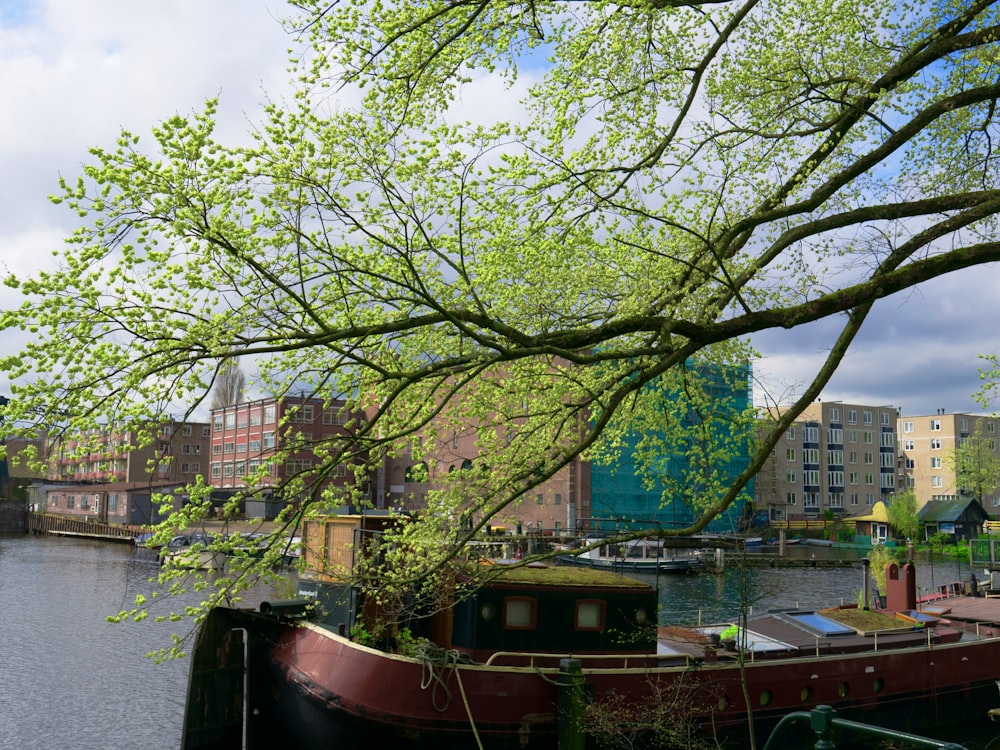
[(503, 607), (539, 608)]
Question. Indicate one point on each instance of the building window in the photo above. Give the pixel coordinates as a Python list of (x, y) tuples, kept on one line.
[(186, 430), (937, 481), (885, 419), (227, 469), (216, 470), (853, 476), (791, 476), (255, 417), (70, 501), (835, 457), (558, 500), (907, 426), (935, 462), (229, 447), (868, 417), (790, 454), (241, 447), (206, 431), (335, 416), (790, 433), (217, 422), (302, 414), (810, 478), (835, 435), (112, 502), (854, 498), (834, 415), (790, 499), (268, 439), (935, 444), (269, 412), (853, 457), (230, 420), (217, 449), (909, 445), (852, 416), (254, 446), (935, 425), (835, 479)]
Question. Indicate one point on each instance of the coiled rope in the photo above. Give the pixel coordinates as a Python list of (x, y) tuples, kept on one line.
[(438, 665)]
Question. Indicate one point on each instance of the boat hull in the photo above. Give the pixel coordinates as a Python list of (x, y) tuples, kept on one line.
[(308, 688)]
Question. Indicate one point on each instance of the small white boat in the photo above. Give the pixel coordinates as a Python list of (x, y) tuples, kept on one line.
[(638, 556)]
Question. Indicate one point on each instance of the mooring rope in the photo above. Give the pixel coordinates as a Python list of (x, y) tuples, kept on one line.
[(438, 664)]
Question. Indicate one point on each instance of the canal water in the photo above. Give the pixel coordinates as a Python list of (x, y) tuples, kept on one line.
[(69, 679)]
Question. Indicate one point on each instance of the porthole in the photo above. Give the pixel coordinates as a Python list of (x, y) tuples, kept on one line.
[(806, 694), (488, 611), (878, 685), (640, 615), (765, 698), (842, 690)]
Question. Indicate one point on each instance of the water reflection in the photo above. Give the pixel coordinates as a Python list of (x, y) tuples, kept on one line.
[(689, 599), (70, 678)]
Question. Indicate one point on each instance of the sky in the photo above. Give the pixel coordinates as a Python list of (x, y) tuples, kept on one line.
[(73, 74)]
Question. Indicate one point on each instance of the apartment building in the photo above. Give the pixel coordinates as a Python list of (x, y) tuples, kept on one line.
[(556, 505), (584, 495), (928, 444), (177, 454), (835, 459), (250, 436)]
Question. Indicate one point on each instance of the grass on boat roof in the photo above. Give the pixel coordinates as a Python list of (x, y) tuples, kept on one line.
[(563, 575), (865, 620)]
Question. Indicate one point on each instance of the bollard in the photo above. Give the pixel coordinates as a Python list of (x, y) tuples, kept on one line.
[(570, 704)]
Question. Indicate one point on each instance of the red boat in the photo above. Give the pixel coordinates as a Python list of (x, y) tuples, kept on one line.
[(513, 666)]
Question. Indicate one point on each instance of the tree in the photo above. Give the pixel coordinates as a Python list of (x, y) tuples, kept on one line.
[(230, 385), (678, 177), (903, 514), (976, 464)]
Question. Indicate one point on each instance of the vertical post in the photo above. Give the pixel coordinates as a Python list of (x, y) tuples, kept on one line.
[(570, 705), (866, 593), (246, 684)]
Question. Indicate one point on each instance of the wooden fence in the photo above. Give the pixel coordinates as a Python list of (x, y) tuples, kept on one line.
[(44, 523)]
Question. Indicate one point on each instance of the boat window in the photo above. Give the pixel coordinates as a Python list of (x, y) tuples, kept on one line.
[(590, 614), (519, 613)]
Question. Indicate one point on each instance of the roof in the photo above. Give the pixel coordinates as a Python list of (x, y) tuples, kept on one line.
[(948, 510), (879, 514)]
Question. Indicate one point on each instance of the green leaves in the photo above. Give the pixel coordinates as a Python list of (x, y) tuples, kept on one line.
[(551, 279)]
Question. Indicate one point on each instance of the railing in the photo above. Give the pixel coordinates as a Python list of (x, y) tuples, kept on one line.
[(43, 523), (813, 523), (823, 719), (984, 552)]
